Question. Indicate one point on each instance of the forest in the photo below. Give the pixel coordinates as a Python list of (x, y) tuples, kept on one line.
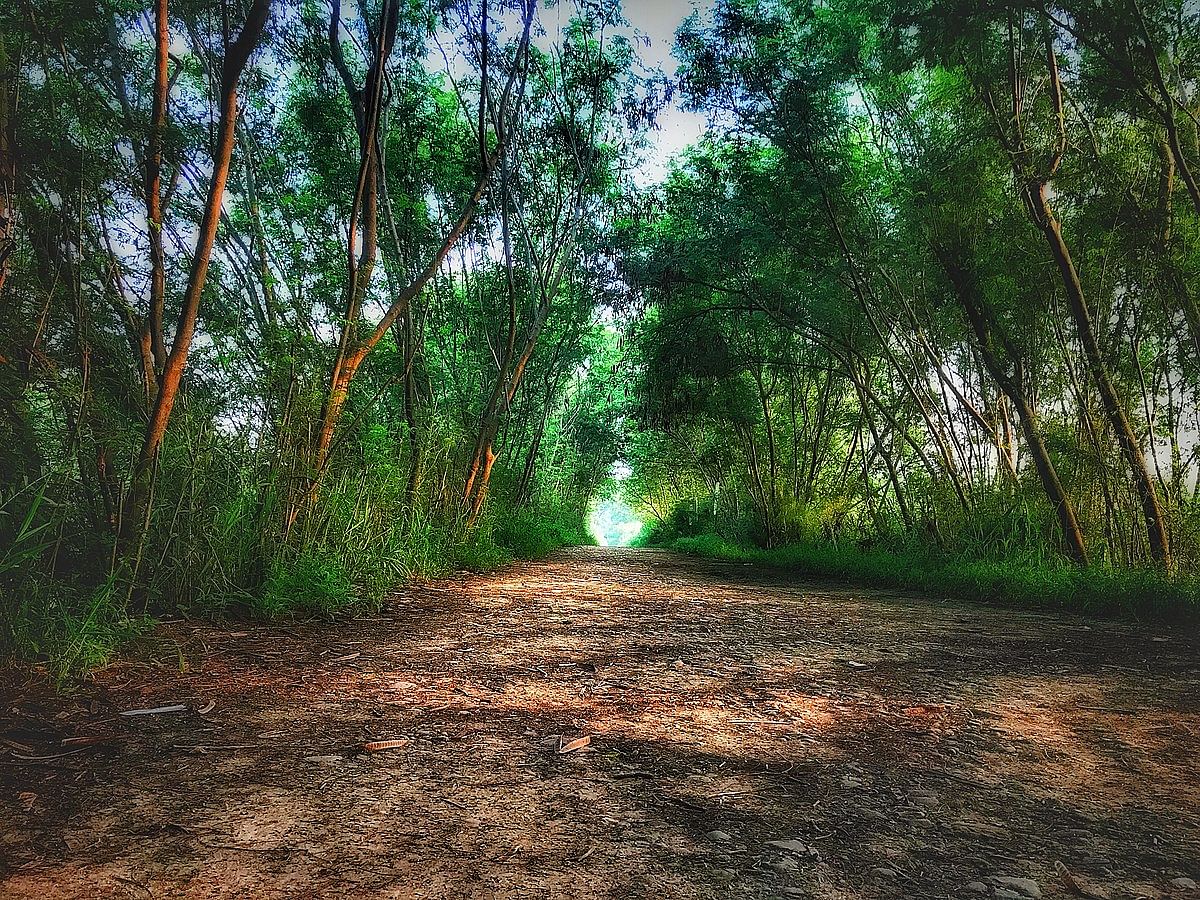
[(298, 302), (563, 448)]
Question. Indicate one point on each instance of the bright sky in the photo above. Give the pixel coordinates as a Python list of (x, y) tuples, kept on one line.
[(658, 20)]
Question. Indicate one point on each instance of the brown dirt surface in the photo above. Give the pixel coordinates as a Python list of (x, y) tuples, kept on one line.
[(892, 746)]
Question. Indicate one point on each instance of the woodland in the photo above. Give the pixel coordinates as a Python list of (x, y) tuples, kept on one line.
[(302, 300)]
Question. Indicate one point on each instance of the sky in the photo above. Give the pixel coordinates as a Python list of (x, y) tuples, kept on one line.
[(657, 21)]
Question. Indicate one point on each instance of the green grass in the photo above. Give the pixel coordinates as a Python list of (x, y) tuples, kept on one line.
[(66, 629), (534, 533), (70, 627), (1134, 594), (313, 582)]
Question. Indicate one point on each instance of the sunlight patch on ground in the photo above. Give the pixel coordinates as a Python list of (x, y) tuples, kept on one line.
[(613, 524)]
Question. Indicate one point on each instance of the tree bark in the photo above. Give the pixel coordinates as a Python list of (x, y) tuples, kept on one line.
[(9, 68), (1152, 512), (154, 202)]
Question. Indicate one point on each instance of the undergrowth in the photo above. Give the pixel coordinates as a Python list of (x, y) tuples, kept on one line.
[(71, 613), (1030, 583)]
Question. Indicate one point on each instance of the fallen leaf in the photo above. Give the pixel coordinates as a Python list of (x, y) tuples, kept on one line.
[(855, 665), (27, 798), (577, 744), (207, 707), (377, 746), (1076, 886), (347, 657)]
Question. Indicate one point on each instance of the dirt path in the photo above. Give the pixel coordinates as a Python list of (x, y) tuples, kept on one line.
[(895, 747)]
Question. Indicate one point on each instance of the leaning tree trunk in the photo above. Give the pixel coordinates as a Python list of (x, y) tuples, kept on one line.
[(1152, 511), (1035, 195), (134, 507), (1026, 415)]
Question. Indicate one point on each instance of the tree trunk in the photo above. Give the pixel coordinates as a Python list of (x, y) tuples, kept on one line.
[(154, 201), (9, 67), (134, 508), (1047, 473), (1038, 202)]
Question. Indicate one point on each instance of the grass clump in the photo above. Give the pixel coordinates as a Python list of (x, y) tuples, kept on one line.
[(313, 582), (68, 629), (1037, 584), (533, 533)]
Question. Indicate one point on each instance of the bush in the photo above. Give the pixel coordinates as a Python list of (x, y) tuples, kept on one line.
[(67, 628), (314, 582), (530, 533)]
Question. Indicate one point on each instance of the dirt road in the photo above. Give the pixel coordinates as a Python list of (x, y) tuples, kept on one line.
[(749, 737)]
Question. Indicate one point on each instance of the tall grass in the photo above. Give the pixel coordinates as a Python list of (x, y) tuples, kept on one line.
[(216, 546), (1023, 582)]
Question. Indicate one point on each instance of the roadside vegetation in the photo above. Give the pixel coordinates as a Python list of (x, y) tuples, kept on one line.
[(300, 301), (921, 308)]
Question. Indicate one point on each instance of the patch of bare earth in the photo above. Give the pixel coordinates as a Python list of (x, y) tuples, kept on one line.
[(889, 746)]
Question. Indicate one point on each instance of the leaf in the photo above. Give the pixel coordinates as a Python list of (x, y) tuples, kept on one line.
[(347, 657), (155, 710), (377, 746), (577, 744), (207, 707), (1075, 886)]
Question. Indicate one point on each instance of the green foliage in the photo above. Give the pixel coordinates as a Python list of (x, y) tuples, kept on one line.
[(533, 533), (837, 325), (243, 515), (69, 629), (860, 332), (312, 582), (1134, 594)]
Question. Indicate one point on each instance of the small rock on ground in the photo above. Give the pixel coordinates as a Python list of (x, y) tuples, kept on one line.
[(1017, 886)]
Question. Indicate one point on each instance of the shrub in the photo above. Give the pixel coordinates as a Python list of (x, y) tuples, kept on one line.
[(313, 581)]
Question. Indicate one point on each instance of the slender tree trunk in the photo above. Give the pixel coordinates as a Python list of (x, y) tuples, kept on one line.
[(1035, 195), (1152, 512), (238, 54), (1026, 415), (479, 473), (154, 200), (9, 69)]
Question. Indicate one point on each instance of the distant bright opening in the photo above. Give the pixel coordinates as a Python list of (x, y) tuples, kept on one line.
[(613, 524)]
